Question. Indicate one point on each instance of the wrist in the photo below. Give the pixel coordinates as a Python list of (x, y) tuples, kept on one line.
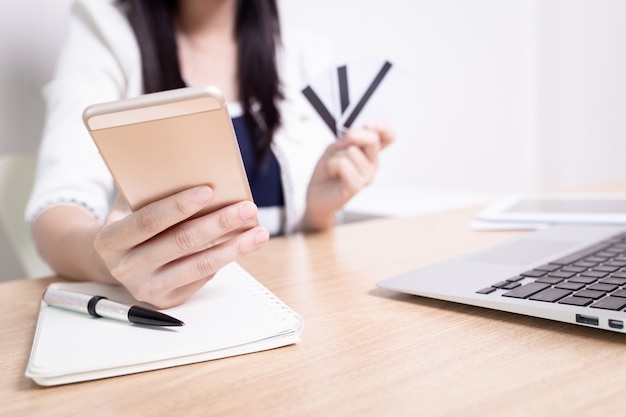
[(95, 268), (65, 237), (318, 221)]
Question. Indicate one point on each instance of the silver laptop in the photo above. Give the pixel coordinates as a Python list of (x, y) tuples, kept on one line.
[(569, 273)]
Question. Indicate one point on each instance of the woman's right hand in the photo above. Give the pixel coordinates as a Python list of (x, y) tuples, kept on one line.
[(162, 256)]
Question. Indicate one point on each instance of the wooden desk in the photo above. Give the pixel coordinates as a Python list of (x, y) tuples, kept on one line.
[(364, 351)]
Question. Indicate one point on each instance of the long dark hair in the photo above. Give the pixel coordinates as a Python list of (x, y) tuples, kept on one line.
[(257, 28)]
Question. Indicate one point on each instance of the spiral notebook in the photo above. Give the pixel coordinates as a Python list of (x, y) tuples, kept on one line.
[(231, 315)]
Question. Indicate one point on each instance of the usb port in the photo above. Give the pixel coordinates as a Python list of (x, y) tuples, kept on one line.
[(580, 318), (616, 324)]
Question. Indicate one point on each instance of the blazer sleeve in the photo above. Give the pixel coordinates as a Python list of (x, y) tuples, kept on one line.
[(99, 62)]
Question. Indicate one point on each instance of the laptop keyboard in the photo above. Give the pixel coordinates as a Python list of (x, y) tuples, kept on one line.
[(594, 277)]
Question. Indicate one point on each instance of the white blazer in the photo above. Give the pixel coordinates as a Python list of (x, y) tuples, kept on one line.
[(100, 61)]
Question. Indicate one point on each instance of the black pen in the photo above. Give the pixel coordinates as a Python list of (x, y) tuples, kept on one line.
[(98, 306)]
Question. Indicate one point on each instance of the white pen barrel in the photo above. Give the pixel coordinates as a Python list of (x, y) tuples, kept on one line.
[(67, 299), (84, 303), (112, 310), (99, 306)]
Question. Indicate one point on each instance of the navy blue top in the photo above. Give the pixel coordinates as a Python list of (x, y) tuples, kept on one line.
[(264, 179)]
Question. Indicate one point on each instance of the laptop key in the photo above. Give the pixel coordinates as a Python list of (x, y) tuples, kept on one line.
[(602, 287), (574, 286), (613, 280), (594, 295), (548, 267), (572, 268), (487, 290), (534, 273), (596, 259), (583, 280), (610, 303), (619, 293), (549, 280), (517, 278), (550, 295), (576, 301), (562, 274), (526, 290), (506, 285), (585, 264), (594, 274), (605, 268)]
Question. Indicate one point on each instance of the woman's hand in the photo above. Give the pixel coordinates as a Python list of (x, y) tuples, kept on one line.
[(346, 167), (162, 256)]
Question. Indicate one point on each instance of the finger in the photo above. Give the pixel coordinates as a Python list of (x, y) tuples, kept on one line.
[(363, 165), (177, 279), (197, 234), (333, 163), (156, 217), (180, 294), (386, 134), (367, 139), (352, 180)]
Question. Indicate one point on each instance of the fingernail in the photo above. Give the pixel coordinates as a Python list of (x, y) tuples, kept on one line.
[(202, 195), (261, 236), (247, 211)]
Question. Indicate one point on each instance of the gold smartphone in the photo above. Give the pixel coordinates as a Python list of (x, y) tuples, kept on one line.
[(161, 143)]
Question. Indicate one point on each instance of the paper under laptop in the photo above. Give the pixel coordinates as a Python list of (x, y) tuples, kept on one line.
[(599, 268)]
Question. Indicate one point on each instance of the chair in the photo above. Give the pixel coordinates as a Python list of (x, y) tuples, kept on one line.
[(17, 173)]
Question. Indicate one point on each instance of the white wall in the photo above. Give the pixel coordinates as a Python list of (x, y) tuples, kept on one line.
[(507, 95), (468, 106), (30, 34), (581, 92)]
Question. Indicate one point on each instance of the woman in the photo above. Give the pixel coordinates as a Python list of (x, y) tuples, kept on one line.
[(299, 176)]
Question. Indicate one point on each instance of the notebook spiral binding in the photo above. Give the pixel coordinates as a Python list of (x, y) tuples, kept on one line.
[(269, 298)]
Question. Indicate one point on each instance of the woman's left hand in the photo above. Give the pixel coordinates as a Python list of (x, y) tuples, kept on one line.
[(346, 167)]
